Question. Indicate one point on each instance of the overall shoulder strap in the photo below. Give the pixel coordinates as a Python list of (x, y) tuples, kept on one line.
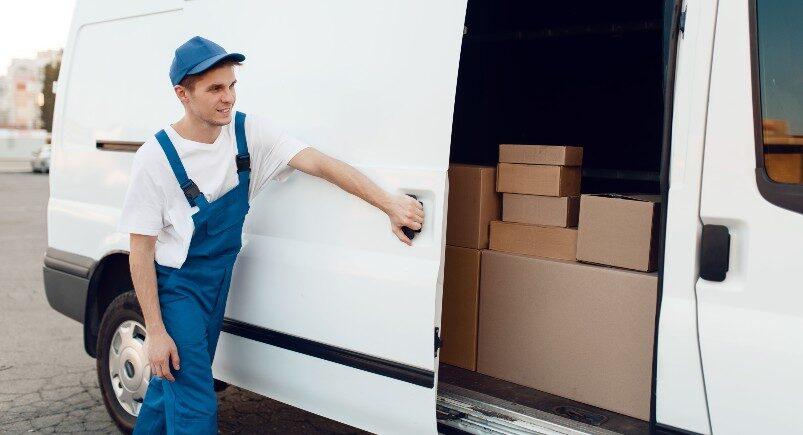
[(243, 158), (191, 191)]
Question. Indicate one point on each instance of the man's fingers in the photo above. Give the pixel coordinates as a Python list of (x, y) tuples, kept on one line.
[(155, 369), (400, 234), (175, 359), (166, 371), (413, 225)]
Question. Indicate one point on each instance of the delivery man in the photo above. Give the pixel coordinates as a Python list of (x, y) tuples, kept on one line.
[(190, 189)]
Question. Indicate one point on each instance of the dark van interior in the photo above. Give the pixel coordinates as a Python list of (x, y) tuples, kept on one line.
[(577, 72)]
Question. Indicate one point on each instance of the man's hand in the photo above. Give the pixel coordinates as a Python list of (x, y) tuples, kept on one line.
[(161, 350), (404, 211)]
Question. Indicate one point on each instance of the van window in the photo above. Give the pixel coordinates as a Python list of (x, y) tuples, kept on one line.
[(779, 47)]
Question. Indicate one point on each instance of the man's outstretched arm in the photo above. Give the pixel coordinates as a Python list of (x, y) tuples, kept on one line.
[(402, 210)]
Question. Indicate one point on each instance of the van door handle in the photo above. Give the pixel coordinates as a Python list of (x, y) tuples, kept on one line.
[(409, 232), (715, 245)]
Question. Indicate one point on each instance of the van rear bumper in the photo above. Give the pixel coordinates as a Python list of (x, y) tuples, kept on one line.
[(66, 278)]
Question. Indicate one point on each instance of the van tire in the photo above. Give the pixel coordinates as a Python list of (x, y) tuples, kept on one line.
[(220, 386), (124, 307)]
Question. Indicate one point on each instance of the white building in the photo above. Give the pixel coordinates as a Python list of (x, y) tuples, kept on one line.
[(21, 96)]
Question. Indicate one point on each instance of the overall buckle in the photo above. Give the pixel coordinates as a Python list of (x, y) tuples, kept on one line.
[(191, 191), (243, 162)]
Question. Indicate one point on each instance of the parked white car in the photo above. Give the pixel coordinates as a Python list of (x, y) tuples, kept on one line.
[(329, 313), (40, 160)]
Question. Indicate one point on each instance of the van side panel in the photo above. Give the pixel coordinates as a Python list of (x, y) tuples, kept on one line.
[(114, 86), (371, 82)]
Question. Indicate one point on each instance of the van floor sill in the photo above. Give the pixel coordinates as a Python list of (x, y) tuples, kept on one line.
[(515, 406)]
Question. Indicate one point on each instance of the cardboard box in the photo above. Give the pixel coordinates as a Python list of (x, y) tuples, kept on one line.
[(558, 211), (619, 230), (473, 204), (550, 242), (541, 154), (461, 298), (538, 179), (784, 168), (576, 330)]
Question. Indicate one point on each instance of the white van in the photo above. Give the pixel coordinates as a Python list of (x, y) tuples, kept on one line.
[(700, 101)]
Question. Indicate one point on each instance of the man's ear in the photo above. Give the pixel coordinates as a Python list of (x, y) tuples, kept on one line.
[(181, 93)]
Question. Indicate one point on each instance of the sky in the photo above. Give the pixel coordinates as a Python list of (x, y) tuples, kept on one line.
[(28, 26)]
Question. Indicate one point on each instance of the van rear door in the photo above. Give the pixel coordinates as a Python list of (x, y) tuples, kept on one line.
[(328, 311), (750, 303)]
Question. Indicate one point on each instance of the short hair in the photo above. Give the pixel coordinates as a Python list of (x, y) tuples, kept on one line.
[(189, 81)]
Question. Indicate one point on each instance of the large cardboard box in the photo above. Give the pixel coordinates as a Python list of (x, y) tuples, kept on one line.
[(619, 230), (461, 298), (550, 242), (558, 211), (473, 204), (576, 330), (538, 179), (541, 154)]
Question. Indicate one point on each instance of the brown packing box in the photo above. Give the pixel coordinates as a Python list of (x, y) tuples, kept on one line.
[(461, 298), (576, 330), (550, 242), (538, 179), (473, 203), (619, 230), (784, 168), (558, 211), (541, 154)]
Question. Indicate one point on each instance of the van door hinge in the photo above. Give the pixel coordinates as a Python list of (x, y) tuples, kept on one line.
[(438, 341), (682, 22)]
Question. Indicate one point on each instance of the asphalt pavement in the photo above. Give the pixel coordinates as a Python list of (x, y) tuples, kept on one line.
[(47, 382)]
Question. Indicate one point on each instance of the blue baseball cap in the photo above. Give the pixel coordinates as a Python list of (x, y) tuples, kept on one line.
[(196, 56)]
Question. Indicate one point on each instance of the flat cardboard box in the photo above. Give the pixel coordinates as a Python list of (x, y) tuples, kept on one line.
[(558, 211), (541, 154), (619, 230), (461, 298), (473, 204), (538, 179), (550, 242), (575, 330)]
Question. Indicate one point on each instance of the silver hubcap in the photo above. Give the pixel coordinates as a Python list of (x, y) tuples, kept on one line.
[(128, 365)]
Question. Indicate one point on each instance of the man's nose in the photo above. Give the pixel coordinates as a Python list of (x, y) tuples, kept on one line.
[(228, 96)]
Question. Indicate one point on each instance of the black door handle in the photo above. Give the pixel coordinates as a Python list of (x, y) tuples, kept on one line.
[(409, 232), (715, 246)]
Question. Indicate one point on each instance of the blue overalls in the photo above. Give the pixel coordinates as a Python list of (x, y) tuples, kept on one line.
[(193, 300)]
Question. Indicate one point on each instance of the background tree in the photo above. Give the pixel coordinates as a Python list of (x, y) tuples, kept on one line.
[(51, 74)]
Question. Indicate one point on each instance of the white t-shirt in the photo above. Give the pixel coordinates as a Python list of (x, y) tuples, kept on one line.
[(155, 204)]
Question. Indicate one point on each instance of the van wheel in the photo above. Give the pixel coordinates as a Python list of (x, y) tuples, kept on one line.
[(123, 368), (220, 386)]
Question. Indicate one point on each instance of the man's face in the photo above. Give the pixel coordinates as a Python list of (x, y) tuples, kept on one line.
[(214, 96)]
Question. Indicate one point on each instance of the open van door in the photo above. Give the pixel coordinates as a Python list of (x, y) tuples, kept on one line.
[(328, 311), (750, 298)]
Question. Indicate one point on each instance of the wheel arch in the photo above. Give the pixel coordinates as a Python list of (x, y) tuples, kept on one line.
[(110, 278)]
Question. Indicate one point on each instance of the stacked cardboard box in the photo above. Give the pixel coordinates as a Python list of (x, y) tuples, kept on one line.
[(540, 205), (473, 204), (546, 321), (619, 230)]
